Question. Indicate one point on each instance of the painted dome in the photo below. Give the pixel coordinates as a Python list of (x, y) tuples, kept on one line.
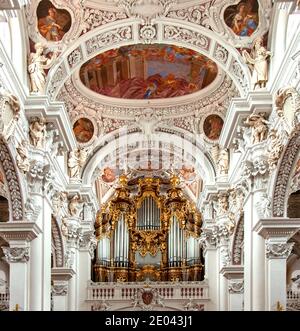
[(148, 72)]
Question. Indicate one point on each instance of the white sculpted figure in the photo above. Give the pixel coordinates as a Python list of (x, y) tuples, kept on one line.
[(76, 161), (259, 127), (37, 133), (223, 162), (37, 62), (22, 157), (75, 205), (223, 204), (259, 62)]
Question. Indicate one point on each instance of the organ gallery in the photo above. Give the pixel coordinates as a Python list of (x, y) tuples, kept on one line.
[(148, 231)]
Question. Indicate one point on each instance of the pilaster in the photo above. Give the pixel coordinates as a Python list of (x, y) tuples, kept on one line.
[(60, 287), (235, 276), (276, 232), (19, 236)]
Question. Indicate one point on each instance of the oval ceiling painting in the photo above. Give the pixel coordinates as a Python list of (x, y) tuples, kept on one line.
[(83, 129), (148, 72)]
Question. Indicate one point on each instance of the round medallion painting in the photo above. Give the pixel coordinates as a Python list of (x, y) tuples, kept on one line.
[(83, 129), (212, 127)]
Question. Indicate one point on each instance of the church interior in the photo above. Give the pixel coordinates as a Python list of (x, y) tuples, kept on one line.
[(149, 155)]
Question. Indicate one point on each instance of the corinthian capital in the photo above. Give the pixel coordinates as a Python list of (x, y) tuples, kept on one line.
[(278, 250), (89, 242), (16, 254)]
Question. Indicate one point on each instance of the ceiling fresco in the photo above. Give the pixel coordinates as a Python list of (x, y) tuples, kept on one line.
[(148, 72), (53, 23), (243, 18)]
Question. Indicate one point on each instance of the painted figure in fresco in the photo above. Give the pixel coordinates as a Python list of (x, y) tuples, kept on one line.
[(213, 126), (108, 175), (148, 72), (188, 173), (83, 130), (259, 62), (242, 20), (49, 28)]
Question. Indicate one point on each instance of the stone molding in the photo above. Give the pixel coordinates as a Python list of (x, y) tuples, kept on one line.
[(16, 254), (236, 287), (19, 231), (278, 250)]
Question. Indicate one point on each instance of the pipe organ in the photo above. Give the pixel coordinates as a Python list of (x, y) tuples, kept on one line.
[(149, 235)]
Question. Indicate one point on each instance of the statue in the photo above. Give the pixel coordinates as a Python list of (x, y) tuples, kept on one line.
[(259, 61), (223, 162), (58, 200), (9, 113), (223, 203), (22, 156), (37, 133), (37, 62), (75, 205), (259, 127), (76, 161)]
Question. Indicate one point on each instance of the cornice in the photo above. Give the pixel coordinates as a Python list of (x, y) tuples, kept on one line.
[(22, 231), (37, 106), (239, 109), (277, 227), (61, 274), (233, 272)]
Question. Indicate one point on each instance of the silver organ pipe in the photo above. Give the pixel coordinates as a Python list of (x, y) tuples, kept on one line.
[(148, 215), (180, 244)]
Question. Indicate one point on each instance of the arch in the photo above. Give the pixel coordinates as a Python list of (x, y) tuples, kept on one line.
[(284, 175), (108, 146), (167, 31), (13, 183), (58, 243), (237, 242)]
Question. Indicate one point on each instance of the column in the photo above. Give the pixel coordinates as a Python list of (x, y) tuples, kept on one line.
[(223, 234), (277, 232), (59, 295), (86, 254), (19, 236), (224, 259), (254, 257), (60, 279), (255, 173), (73, 235), (208, 242), (38, 210), (234, 274)]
